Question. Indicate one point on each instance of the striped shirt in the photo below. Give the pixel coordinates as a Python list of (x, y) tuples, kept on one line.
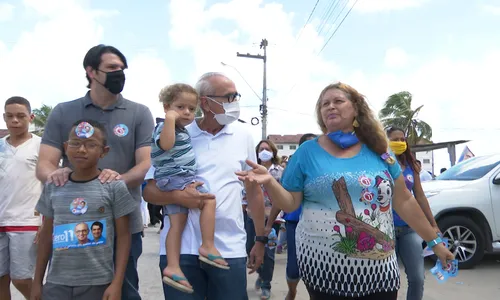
[(178, 161)]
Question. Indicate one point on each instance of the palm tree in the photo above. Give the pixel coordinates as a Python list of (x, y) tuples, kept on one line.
[(41, 116), (397, 112)]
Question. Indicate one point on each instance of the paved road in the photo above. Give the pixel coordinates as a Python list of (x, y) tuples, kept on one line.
[(481, 283)]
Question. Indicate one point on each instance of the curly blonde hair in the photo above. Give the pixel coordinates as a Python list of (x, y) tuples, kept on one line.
[(370, 130), (169, 93)]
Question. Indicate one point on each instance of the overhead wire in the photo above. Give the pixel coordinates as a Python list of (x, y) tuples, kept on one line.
[(307, 22), (336, 29)]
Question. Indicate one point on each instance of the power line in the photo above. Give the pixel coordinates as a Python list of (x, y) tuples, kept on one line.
[(307, 22), (336, 29), (327, 16)]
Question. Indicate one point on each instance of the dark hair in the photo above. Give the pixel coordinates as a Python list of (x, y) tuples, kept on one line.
[(94, 124), (406, 157), (93, 58), (275, 160), (97, 223), (306, 137), (18, 100)]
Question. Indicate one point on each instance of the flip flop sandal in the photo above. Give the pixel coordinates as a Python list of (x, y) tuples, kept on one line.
[(174, 282), (210, 260)]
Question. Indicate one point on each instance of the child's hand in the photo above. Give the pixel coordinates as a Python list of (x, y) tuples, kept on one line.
[(172, 115), (113, 292)]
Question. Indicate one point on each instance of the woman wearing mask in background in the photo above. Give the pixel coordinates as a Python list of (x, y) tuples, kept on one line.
[(348, 183), (408, 242), (267, 156)]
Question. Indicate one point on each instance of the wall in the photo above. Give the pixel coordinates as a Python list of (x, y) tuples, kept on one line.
[(287, 149), (426, 159)]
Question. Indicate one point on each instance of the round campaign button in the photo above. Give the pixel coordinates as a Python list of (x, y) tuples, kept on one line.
[(120, 130), (84, 130), (78, 206)]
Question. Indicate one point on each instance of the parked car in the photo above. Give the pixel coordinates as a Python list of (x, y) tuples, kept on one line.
[(465, 201)]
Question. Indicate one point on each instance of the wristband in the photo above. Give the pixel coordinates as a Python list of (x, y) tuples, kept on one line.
[(434, 242)]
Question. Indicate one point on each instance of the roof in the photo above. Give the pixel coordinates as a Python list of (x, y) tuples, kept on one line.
[(284, 139), (435, 146), (3, 132)]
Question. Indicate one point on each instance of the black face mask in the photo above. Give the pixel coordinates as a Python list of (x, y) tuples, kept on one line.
[(115, 81)]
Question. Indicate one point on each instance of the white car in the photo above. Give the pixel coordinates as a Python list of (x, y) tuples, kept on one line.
[(465, 201)]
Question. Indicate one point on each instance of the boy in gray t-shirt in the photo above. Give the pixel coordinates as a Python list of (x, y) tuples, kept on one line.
[(80, 221)]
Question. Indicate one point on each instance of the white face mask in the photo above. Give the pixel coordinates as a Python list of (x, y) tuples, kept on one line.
[(232, 112), (265, 155)]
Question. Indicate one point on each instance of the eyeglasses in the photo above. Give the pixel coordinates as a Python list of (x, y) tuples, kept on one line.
[(89, 145), (230, 98), (82, 231)]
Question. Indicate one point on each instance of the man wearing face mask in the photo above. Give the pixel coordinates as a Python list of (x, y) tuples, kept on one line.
[(129, 126), (221, 146)]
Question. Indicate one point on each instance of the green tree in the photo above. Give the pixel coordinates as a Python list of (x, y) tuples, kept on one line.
[(198, 113), (41, 116), (397, 111)]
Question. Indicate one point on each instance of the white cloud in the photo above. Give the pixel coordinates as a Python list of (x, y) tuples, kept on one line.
[(372, 6), (144, 82), (51, 74), (455, 93), (6, 11), (491, 9), (396, 58)]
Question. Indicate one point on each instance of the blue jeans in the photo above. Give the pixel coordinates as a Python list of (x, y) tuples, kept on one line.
[(130, 288), (292, 267), (210, 283), (266, 270), (409, 251)]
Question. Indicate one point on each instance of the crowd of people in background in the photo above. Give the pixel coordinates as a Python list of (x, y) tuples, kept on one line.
[(348, 202)]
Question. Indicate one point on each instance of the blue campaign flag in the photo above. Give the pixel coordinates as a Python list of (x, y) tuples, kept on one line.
[(466, 154)]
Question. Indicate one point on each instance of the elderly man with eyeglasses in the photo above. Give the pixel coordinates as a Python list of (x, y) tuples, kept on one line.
[(221, 146)]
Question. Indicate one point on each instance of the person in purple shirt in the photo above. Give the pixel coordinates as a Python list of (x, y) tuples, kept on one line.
[(408, 242)]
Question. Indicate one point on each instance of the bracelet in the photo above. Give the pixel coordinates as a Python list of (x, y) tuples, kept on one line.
[(434, 242)]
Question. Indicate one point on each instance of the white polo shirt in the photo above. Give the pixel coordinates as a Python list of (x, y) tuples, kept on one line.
[(218, 158), (19, 187)]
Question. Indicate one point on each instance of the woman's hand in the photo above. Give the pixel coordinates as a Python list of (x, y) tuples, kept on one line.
[(443, 254), (258, 174)]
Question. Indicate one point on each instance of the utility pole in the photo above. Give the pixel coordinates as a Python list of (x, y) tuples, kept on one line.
[(263, 106)]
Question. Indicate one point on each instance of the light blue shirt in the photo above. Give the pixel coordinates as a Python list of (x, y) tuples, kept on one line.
[(346, 231)]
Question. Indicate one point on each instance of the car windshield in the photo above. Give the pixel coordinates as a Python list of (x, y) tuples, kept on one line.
[(471, 169)]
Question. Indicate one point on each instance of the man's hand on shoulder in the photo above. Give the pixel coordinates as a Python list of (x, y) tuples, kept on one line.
[(108, 176), (59, 177)]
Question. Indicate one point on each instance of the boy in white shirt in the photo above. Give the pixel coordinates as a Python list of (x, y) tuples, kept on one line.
[(19, 193)]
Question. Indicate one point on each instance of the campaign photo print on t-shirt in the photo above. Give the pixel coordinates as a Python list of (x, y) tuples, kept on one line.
[(79, 235)]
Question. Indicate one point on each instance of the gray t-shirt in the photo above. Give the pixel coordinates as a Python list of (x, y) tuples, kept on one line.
[(128, 124), (83, 234)]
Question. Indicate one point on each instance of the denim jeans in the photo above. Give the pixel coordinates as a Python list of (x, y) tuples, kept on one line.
[(409, 251), (292, 267), (130, 287), (210, 283), (266, 270)]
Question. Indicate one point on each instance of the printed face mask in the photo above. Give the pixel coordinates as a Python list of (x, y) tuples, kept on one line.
[(231, 112), (265, 155), (397, 147)]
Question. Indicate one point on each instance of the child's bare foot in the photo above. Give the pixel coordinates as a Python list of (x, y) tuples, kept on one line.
[(176, 279), (211, 256)]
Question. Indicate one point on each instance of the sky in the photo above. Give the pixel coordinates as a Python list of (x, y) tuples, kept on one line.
[(445, 52)]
